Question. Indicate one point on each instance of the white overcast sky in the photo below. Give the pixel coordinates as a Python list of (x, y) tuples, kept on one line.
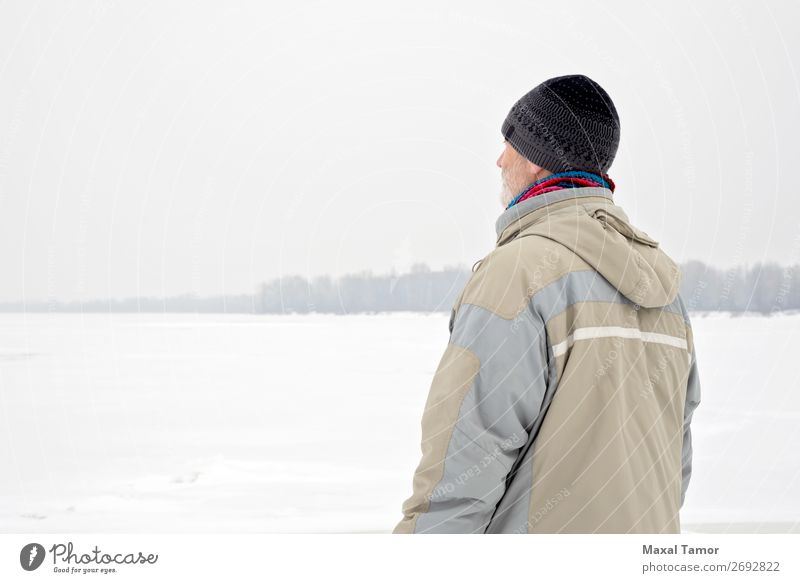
[(158, 148)]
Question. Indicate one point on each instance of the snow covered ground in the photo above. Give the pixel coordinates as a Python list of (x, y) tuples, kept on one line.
[(234, 423)]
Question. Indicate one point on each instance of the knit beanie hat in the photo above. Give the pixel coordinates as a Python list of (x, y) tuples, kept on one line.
[(565, 123)]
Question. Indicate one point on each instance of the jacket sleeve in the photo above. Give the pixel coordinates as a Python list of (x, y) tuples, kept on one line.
[(692, 401), (484, 398)]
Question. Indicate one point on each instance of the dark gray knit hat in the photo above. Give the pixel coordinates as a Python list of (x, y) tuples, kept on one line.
[(565, 123)]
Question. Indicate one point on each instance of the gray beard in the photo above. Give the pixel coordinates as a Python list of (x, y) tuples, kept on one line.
[(506, 194)]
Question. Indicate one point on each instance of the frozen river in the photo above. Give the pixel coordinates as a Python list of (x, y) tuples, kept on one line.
[(235, 423)]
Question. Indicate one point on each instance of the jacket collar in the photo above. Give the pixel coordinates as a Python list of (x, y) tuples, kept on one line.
[(524, 213)]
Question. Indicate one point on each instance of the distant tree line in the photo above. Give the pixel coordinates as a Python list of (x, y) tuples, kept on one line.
[(189, 303), (762, 288), (420, 290)]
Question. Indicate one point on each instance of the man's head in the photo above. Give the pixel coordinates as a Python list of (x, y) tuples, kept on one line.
[(516, 173), (565, 123)]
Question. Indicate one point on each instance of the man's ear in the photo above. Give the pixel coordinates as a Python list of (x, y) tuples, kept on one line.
[(538, 170), (533, 168)]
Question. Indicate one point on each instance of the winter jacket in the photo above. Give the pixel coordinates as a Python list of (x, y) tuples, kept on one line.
[(563, 401)]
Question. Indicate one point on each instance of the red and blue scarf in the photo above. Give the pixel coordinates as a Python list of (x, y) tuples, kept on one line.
[(559, 180)]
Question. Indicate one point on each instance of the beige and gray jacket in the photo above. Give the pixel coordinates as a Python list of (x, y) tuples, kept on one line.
[(564, 399)]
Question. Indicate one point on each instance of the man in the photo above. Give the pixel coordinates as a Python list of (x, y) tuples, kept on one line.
[(564, 398)]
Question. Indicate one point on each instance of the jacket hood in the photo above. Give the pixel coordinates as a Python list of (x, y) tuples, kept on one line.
[(600, 233)]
